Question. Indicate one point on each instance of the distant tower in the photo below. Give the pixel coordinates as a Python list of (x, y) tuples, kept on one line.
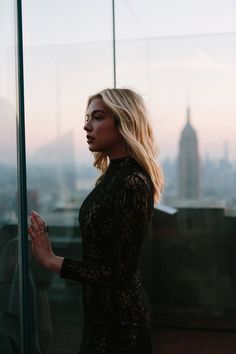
[(188, 163)]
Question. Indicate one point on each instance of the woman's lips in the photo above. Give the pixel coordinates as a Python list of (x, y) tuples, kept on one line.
[(90, 138)]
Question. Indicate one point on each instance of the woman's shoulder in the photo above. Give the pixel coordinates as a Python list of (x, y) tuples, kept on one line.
[(134, 191), (127, 174), (136, 178)]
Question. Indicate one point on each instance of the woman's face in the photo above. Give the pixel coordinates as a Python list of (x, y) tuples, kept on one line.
[(101, 131)]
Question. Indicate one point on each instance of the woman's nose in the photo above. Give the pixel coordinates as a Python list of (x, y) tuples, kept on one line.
[(87, 126)]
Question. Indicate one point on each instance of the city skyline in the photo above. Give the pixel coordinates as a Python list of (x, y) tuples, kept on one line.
[(81, 152)]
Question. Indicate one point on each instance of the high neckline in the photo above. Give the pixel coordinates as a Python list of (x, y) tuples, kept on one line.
[(121, 161)]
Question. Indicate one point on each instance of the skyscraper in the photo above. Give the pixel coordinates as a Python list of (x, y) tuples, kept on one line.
[(188, 163)]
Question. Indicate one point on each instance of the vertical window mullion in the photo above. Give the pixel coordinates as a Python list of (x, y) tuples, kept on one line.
[(114, 42), (23, 260)]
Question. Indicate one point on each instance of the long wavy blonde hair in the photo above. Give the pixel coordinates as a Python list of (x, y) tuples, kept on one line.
[(134, 125)]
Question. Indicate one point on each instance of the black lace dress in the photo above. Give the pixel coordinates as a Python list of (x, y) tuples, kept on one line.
[(114, 219)]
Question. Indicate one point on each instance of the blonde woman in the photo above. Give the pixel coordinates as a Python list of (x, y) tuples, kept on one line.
[(114, 219)]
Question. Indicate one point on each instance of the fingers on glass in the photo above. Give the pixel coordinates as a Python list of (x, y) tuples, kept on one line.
[(37, 222)]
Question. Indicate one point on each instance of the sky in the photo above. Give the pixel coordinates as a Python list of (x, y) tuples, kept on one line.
[(175, 53)]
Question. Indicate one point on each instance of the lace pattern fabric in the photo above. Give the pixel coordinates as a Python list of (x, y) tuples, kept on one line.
[(114, 219)]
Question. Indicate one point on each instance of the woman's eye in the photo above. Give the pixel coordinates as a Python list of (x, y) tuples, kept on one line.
[(87, 119)]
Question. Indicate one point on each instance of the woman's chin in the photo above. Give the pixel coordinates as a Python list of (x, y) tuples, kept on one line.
[(92, 149)]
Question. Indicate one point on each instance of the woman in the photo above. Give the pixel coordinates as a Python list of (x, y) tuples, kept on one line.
[(114, 219)]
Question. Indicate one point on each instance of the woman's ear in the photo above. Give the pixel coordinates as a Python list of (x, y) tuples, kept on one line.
[(117, 121)]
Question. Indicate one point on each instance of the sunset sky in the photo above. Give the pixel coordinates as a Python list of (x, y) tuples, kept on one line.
[(174, 53)]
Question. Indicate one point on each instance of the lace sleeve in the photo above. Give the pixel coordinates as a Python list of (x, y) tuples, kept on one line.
[(132, 211)]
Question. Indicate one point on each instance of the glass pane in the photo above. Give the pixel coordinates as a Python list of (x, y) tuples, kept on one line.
[(147, 19), (63, 65), (9, 288), (189, 77), (189, 84)]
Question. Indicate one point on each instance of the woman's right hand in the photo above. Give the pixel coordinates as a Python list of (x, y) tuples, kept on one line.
[(41, 246)]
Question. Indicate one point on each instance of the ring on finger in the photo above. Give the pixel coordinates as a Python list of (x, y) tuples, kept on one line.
[(45, 229)]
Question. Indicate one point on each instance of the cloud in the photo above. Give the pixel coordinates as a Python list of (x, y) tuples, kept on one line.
[(212, 64), (205, 64)]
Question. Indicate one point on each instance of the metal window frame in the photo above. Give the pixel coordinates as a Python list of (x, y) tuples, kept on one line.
[(114, 42), (25, 301)]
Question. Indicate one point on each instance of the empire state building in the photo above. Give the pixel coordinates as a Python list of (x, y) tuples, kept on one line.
[(188, 163)]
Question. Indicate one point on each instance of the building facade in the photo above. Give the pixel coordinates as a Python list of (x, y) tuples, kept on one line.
[(188, 163)]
